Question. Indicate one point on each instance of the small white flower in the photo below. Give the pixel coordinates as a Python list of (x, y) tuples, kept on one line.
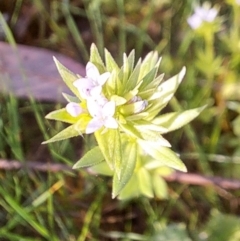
[(202, 14), (74, 109), (102, 115), (91, 85)]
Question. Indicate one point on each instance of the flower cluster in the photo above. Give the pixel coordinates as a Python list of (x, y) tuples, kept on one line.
[(99, 107), (120, 105), (201, 15)]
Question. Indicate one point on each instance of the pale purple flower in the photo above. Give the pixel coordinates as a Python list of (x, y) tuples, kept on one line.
[(102, 114), (74, 109), (139, 104), (202, 14), (91, 85)]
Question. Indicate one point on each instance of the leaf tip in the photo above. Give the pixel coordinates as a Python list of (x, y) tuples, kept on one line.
[(75, 166), (114, 195), (182, 72), (44, 142), (183, 168)]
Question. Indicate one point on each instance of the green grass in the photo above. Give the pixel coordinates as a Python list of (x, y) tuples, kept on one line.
[(76, 206)]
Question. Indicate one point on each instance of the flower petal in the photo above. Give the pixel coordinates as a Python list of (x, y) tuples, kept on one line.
[(92, 71), (109, 109), (103, 78), (93, 125), (74, 109), (194, 21), (96, 91), (111, 123), (84, 87), (94, 108)]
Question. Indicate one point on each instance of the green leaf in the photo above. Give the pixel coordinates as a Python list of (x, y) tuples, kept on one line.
[(96, 59), (145, 182), (68, 77), (74, 130), (130, 60), (113, 85), (175, 120), (148, 79), (167, 89), (160, 187), (130, 130), (155, 137), (110, 62), (118, 100), (163, 155), (131, 190), (163, 94), (129, 153), (136, 117), (148, 63), (150, 89), (132, 80), (110, 145), (146, 125), (62, 115), (102, 168), (70, 98), (91, 158), (125, 70)]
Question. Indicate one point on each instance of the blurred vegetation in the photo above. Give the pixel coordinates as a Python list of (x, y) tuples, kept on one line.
[(67, 206)]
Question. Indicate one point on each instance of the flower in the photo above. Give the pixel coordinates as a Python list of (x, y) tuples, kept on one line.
[(202, 14), (92, 84), (128, 107), (74, 109), (102, 112)]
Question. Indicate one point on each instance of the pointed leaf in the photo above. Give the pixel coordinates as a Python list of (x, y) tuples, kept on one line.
[(148, 79), (70, 98), (148, 63), (62, 115), (130, 130), (113, 85), (125, 70), (139, 116), (145, 182), (132, 80), (131, 190), (91, 158), (110, 145), (118, 100), (155, 137), (129, 153), (101, 168), (175, 120), (131, 59), (164, 94), (110, 62), (96, 59), (160, 187), (167, 89), (163, 154), (146, 125), (76, 129), (68, 132), (67, 76)]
